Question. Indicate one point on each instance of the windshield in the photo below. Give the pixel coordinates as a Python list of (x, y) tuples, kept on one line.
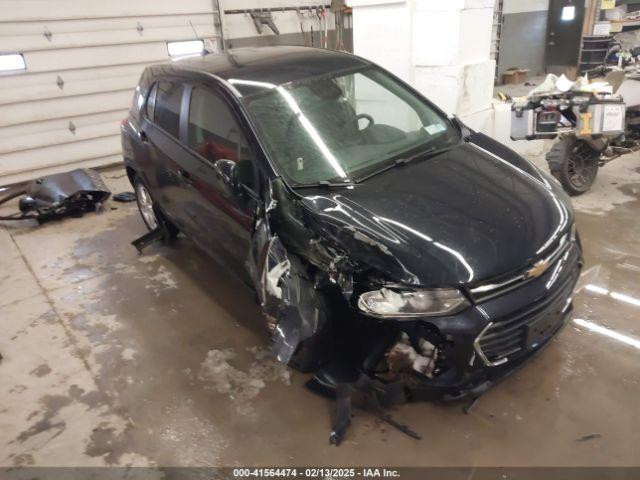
[(342, 127)]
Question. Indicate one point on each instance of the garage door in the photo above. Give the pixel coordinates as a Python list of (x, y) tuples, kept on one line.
[(83, 59)]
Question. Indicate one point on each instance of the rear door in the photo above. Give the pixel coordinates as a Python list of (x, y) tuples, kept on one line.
[(219, 212), (160, 132)]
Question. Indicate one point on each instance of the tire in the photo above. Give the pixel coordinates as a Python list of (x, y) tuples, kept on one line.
[(574, 163), (151, 214)]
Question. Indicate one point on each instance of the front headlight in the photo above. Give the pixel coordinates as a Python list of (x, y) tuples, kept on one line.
[(417, 303)]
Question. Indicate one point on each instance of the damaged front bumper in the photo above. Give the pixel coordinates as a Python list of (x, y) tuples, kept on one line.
[(309, 290), (461, 356)]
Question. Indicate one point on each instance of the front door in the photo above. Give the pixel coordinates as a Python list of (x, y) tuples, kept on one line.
[(219, 208)]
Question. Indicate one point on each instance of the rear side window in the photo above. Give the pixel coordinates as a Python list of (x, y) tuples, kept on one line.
[(168, 99)]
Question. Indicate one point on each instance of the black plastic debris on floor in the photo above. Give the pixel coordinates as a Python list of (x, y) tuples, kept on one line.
[(365, 393), (124, 197), (69, 194)]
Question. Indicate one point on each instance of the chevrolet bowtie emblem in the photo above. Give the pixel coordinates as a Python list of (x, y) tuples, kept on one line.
[(538, 269)]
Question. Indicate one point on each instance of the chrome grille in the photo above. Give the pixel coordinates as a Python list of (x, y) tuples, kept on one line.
[(497, 344), (507, 336)]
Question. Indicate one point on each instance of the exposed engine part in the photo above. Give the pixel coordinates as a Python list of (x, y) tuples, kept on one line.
[(64, 194), (272, 323), (402, 356), (273, 277)]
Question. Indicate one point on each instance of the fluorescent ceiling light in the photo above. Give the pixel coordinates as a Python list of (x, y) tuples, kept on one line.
[(11, 62), (568, 13), (185, 48)]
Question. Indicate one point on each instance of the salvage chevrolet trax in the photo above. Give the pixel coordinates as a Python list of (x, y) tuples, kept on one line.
[(384, 239)]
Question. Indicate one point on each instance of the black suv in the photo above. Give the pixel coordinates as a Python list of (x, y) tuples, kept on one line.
[(383, 238)]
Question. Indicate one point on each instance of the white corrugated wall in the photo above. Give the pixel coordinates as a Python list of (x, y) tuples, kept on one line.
[(83, 60)]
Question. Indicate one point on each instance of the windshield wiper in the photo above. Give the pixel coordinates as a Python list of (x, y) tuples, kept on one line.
[(323, 183), (423, 155)]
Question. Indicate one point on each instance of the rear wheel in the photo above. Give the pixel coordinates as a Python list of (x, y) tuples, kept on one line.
[(574, 163), (151, 214)]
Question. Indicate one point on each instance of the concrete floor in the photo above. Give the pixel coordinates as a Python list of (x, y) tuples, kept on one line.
[(115, 358)]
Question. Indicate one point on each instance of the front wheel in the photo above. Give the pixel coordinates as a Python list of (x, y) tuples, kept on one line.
[(574, 163)]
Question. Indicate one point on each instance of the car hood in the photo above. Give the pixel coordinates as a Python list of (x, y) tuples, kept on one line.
[(461, 217)]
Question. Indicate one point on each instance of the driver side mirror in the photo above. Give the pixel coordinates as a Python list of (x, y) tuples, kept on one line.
[(227, 171)]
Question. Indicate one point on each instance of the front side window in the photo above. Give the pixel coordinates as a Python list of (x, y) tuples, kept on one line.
[(343, 127), (168, 99), (215, 134)]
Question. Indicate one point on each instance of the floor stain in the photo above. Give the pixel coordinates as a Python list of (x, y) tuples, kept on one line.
[(41, 370)]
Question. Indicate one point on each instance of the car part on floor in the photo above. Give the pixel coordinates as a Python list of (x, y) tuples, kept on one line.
[(163, 231), (359, 390), (124, 197), (148, 238), (61, 195)]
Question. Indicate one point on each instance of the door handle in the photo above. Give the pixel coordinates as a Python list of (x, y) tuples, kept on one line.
[(185, 176), (142, 136)]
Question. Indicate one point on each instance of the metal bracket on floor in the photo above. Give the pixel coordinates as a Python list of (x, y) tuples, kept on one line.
[(148, 238), (469, 406), (376, 397)]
